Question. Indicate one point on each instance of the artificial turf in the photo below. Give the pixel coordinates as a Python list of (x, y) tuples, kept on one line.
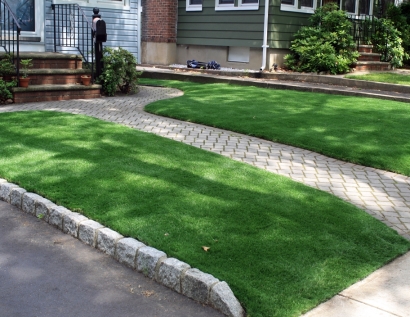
[(282, 247), (365, 131)]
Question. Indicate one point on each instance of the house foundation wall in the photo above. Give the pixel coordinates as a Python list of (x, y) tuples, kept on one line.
[(158, 53), (220, 54)]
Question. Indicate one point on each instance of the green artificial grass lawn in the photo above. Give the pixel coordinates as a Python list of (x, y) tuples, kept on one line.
[(282, 247), (364, 131), (391, 78)]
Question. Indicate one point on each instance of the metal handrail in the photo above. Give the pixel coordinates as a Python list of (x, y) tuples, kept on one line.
[(73, 29), (10, 31)]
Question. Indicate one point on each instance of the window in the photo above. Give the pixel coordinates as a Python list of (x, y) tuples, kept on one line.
[(303, 6), (357, 7), (194, 5), (225, 5)]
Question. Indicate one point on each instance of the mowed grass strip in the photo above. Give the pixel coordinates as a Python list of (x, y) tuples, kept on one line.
[(391, 78), (364, 131), (283, 247)]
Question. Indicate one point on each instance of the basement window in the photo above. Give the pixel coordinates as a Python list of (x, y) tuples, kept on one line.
[(238, 54), (193, 5)]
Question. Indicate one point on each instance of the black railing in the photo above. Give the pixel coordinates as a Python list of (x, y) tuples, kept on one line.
[(10, 34), (72, 29), (363, 28)]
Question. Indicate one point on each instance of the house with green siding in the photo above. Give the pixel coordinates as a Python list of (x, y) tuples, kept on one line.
[(236, 32)]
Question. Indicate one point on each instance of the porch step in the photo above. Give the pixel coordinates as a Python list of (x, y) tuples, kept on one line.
[(53, 77), (51, 60), (56, 76), (365, 49), (369, 57), (35, 93), (372, 66)]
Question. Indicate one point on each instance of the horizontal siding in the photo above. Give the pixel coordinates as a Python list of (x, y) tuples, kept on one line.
[(237, 28), (122, 27)]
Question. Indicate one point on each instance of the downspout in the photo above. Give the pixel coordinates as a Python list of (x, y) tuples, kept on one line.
[(139, 31), (265, 36)]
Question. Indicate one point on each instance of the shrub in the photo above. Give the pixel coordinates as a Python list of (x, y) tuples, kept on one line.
[(119, 71), (326, 45), (387, 41), (400, 17), (5, 90)]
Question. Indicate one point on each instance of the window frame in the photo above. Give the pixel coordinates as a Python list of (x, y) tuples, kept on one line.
[(101, 4), (356, 13), (295, 7), (240, 6), (193, 7)]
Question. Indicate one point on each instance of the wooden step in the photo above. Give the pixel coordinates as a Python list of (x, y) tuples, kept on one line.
[(36, 93)]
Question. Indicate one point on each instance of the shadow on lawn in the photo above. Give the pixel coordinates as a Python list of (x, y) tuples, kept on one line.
[(364, 131), (281, 246)]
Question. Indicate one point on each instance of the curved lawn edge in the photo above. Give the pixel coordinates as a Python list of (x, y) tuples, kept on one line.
[(170, 272)]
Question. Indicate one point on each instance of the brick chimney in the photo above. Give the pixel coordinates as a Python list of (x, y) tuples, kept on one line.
[(159, 31)]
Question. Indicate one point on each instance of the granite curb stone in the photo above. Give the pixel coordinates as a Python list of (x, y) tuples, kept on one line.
[(197, 285), (107, 240), (223, 299), (29, 203), (127, 250), (88, 230), (43, 207), (16, 196), (71, 223), (148, 260), (170, 273), (56, 216), (5, 190)]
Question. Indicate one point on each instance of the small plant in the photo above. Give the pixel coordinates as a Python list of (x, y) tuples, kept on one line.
[(6, 65), (119, 72), (5, 90), (26, 64)]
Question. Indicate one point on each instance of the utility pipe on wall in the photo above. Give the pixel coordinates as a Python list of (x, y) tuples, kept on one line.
[(265, 36)]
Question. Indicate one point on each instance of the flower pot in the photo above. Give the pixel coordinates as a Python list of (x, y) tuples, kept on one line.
[(23, 82), (86, 79)]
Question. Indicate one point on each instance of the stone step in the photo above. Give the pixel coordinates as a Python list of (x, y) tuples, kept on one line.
[(365, 48), (49, 60), (56, 76), (369, 57), (372, 66), (35, 93)]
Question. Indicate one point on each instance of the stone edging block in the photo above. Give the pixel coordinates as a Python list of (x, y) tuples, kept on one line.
[(107, 240), (5, 190), (171, 272), (88, 230), (127, 249), (197, 285), (16, 196), (148, 259)]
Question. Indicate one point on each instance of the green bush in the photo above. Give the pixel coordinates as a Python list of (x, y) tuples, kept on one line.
[(5, 90), (387, 41), (326, 45), (119, 72), (400, 17)]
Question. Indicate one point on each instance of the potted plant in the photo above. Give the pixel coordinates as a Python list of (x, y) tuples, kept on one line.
[(24, 79), (86, 79)]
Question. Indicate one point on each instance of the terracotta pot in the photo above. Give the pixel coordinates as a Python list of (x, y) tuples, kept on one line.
[(23, 82), (86, 79)]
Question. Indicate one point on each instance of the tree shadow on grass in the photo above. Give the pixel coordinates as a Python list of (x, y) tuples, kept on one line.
[(282, 246)]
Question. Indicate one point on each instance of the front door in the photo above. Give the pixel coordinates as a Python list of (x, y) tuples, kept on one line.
[(30, 16)]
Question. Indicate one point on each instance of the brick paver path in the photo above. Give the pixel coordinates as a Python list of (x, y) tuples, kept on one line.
[(382, 194)]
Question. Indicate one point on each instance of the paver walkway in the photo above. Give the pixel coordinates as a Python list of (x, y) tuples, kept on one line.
[(382, 194)]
